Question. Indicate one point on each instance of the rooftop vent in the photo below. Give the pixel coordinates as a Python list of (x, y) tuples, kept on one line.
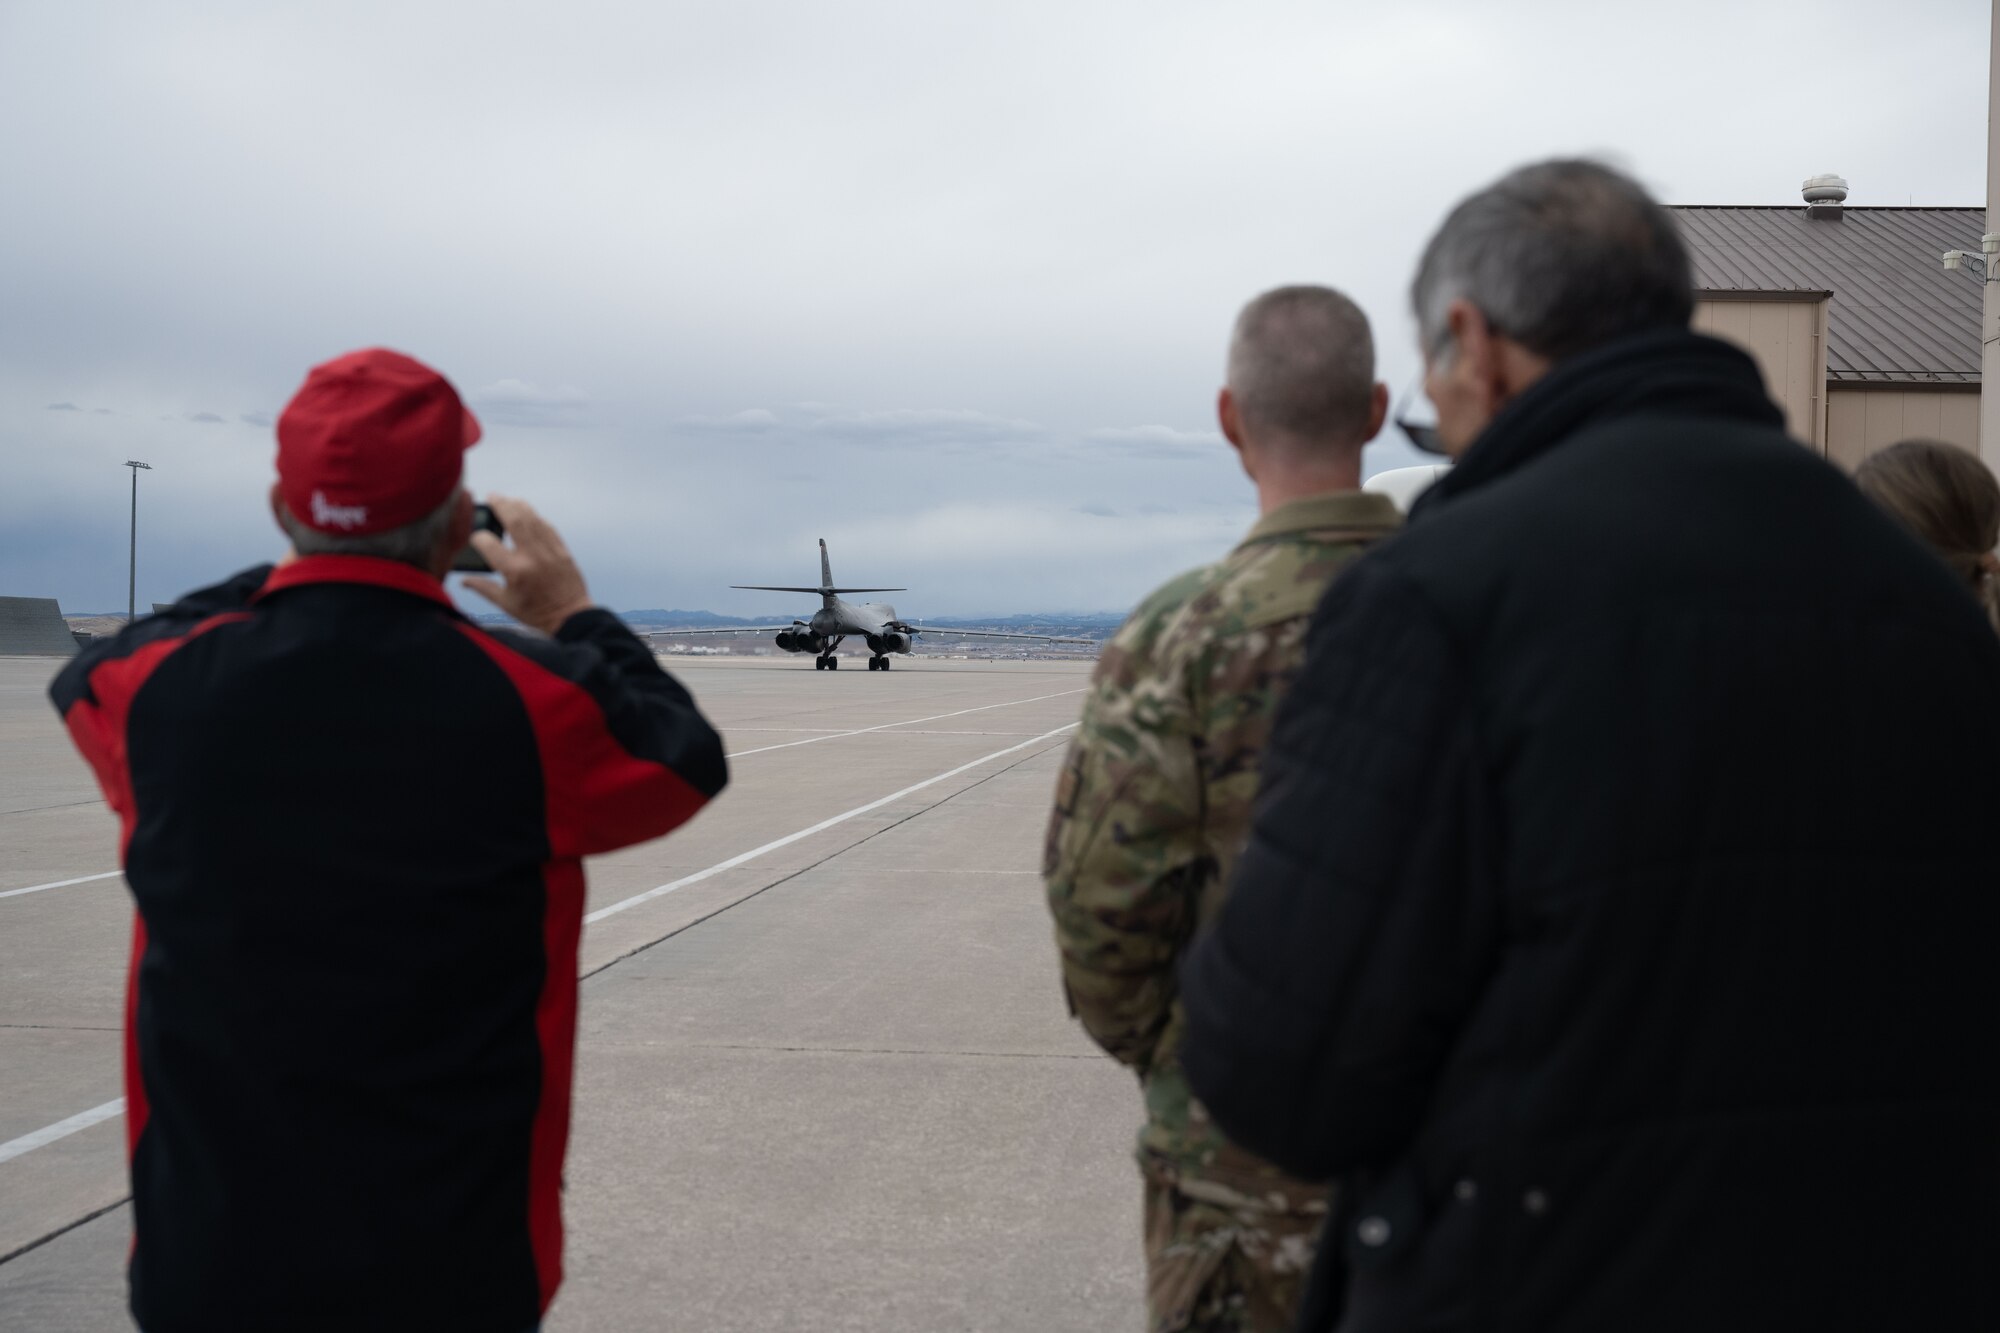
[(1824, 196)]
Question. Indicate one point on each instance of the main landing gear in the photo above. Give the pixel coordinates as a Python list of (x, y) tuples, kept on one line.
[(829, 662)]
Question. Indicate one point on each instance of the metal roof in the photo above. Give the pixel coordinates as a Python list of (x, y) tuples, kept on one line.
[(1896, 313)]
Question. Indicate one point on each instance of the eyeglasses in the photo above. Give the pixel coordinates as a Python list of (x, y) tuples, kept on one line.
[(1422, 434)]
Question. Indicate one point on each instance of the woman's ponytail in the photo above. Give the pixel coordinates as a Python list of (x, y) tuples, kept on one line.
[(1948, 498)]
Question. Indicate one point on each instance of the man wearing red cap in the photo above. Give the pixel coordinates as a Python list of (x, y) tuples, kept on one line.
[(353, 824)]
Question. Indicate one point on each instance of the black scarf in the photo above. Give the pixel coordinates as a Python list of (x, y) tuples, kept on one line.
[(1667, 372)]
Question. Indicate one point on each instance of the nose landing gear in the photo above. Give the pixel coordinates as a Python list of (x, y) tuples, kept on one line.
[(827, 663)]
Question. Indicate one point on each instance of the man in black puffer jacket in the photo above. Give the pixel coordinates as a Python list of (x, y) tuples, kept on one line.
[(1618, 921)]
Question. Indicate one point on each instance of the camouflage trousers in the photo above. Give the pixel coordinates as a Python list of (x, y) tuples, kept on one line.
[(1218, 1262)]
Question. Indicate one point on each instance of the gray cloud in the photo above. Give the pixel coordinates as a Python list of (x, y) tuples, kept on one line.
[(1160, 435), (63, 407), (1163, 442), (516, 402), (1097, 510), (206, 418), (751, 420), (260, 419), (927, 426)]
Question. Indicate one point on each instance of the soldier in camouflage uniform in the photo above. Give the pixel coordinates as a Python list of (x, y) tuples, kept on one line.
[(1153, 804)]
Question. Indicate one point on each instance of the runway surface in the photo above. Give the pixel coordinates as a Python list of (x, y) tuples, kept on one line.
[(825, 1077)]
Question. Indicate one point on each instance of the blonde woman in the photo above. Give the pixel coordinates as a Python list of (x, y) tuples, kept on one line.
[(1948, 498)]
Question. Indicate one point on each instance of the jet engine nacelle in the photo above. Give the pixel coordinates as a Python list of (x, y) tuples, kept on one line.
[(891, 642), (800, 640)]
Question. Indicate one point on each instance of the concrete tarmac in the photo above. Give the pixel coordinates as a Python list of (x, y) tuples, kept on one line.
[(825, 1078)]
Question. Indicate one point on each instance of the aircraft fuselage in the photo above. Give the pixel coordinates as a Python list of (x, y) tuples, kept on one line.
[(839, 619)]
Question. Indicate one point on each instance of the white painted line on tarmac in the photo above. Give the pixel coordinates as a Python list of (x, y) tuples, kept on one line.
[(61, 1129), (822, 826), (906, 722), (60, 884)]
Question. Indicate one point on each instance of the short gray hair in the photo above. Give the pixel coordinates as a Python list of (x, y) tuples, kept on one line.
[(1559, 256), (1302, 361), (412, 544)]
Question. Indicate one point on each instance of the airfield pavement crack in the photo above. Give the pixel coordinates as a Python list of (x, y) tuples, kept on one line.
[(832, 855), (61, 1027), (62, 1230), (60, 805)]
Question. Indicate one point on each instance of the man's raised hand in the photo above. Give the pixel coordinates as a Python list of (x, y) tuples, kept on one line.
[(542, 586)]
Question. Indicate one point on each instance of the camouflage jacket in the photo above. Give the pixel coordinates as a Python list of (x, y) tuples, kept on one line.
[(1153, 804)]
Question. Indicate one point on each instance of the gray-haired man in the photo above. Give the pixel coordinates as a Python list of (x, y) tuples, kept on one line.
[(1617, 920)]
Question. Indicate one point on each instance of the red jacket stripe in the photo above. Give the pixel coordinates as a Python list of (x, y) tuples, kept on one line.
[(97, 725), (137, 1108), (555, 1027)]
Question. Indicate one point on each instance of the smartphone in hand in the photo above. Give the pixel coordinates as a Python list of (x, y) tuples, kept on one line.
[(468, 560)]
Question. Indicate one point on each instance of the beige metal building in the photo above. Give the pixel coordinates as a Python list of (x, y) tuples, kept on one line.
[(1864, 337)]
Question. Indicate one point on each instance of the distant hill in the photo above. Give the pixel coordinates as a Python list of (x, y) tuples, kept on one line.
[(100, 624), (1113, 619), (678, 619)]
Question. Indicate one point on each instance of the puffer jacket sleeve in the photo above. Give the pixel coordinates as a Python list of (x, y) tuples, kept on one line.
[(1361, 923)]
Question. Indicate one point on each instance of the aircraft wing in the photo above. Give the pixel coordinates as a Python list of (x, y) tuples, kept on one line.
[(720, 629), (997, 634)]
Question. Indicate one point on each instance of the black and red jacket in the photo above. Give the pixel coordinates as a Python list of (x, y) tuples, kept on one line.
[(353, 825)]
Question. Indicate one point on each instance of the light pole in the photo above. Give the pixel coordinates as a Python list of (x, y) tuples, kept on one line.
[(132, 568), (1989, 313)]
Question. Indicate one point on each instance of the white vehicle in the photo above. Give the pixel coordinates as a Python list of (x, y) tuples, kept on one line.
[(1404, 484)]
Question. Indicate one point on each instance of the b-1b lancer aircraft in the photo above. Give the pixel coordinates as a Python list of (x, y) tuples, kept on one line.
[(836, 619)]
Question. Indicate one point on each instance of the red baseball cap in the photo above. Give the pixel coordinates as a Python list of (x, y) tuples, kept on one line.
[(371, 441)]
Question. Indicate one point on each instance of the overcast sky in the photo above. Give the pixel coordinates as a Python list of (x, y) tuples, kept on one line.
[(945, 283)]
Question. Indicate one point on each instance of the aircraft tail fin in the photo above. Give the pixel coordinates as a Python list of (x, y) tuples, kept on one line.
[(826, 577), (825, 588)]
